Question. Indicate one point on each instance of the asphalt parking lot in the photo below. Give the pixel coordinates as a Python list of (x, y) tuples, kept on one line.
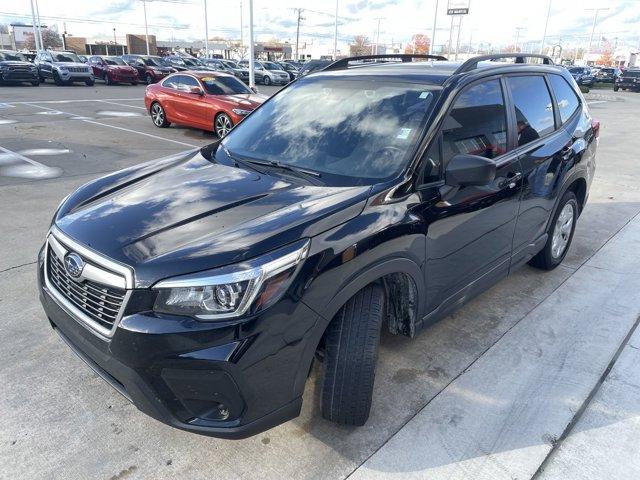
[(538, 377)]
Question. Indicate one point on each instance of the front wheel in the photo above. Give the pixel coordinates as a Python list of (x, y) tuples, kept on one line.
[(266, 80), (36, 83), (149, 79), (616, 88), (89, 82), (107, 80), (350, 357), (222, 124), (56, 78), (158, 116), (560, 234)]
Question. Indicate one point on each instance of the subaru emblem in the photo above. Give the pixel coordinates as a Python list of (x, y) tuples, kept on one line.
[(73, 264)]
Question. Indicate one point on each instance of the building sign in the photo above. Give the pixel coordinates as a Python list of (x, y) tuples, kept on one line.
[(458, 7)]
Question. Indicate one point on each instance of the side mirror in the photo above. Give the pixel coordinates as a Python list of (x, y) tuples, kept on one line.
[(196, 91), (467, 170), (254, 89)]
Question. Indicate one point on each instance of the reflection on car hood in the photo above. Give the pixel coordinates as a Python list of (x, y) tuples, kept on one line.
[(185, 213), (70, 64), (252, 101), (15, 63)]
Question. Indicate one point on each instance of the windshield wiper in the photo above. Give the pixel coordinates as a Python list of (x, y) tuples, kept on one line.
[(296, 171), (247, 163)]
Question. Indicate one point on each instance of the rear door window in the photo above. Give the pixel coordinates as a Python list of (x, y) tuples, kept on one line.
[(534, 108), (566, 97), (477, 123)]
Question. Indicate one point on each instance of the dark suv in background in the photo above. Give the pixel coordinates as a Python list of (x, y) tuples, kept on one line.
[(151, 69), (14, 68), (628, 80), (202, 285)]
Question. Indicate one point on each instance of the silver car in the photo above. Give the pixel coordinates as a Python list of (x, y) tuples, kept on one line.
[(63, 68), (268, 73)]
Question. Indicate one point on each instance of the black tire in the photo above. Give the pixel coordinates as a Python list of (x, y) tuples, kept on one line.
[(266, 80), (158, 115), (548, 258), (42, 79), (351, 353), (222, 124), (149, 79), (36, 83), (616, 88), (134, 83), (89, 82), (107, 80), (56, 78)]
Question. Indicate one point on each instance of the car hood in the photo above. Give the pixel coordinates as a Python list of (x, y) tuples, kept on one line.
[(251, 101), (184, 214), (15, 63), (70, 64)]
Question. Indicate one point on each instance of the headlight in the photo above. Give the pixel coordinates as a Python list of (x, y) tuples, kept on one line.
[(234, 290), (241, 111), (63, 69)]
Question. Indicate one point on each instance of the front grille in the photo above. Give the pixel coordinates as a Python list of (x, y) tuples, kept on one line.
[(77, 69), (101, 303), (19, 68)]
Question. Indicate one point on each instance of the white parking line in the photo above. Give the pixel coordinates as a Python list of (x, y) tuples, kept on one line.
[(121, 104), (73, 101), (113, 126), (596, 101), (22, 157)]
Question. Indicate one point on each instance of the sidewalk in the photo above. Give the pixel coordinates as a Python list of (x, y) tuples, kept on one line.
[(512, 405)]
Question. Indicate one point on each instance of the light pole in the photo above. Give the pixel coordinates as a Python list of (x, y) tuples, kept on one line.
[(335, 35), (146, 27), (458, 41), (593, 27), (377, 36), (206, 31), (241, 27), (433, 31), (39, 25), (36, 39), (518, 29), (252, 77), (544, 34), (300, 17)]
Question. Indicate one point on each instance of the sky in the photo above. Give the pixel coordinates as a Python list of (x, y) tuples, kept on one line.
[(494, 22)]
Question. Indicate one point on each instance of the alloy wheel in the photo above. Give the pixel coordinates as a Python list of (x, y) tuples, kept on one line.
[(223, 125), (562, 231), (157, 114)]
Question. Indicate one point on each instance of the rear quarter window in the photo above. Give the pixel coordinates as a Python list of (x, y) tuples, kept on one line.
[(566, 98), (533, 107)]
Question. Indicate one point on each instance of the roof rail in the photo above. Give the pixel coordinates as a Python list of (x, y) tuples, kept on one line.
[(472, 63), (403, 57)]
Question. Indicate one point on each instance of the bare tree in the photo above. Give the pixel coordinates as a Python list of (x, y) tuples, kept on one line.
[(360, 46), (50, 39)]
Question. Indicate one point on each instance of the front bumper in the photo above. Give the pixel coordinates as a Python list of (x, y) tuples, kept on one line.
[(76, 76), (19, 75), (222, 379)]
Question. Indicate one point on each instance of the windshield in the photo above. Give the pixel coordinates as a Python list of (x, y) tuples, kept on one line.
[(65, 57), (230, 64), (576, 70), (224, 86), (113, 61), (153, 61), (192, 62), (272, 66), (16, 57), (353, 132), (176, 61), (632, 73)]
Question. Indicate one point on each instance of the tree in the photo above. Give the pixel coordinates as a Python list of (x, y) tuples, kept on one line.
[(360, 46), (606, 55), (419, 44), (50, 39)]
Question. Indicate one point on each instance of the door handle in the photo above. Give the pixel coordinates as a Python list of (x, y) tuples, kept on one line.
[(513, 180)]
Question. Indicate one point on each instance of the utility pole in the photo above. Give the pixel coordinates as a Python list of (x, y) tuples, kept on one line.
[(36, 39), (593, 27), (300, 18), (64, 37), (433, 30), (252, 76), (377, 36), (544, 33), (449, 49), (206, 31), (335, 35), (146, 27)]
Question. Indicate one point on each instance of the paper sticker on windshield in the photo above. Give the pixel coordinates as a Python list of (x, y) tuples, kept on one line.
[(404, 133), (424, 94), (207, 79)]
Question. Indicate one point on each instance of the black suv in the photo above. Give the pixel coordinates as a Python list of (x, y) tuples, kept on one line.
[(14, 68), (628, 80), (382, 192)]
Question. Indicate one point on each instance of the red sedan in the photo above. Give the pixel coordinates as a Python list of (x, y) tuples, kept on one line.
[(113, 70), (212, 101)]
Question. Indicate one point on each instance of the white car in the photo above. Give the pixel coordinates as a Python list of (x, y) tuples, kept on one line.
[(268, 73)]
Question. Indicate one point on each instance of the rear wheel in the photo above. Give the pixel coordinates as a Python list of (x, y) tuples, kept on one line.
[(351, 353), (222, 124), (149, 79), (158, 116), (560, 234), (107, 79), (134, 83)]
